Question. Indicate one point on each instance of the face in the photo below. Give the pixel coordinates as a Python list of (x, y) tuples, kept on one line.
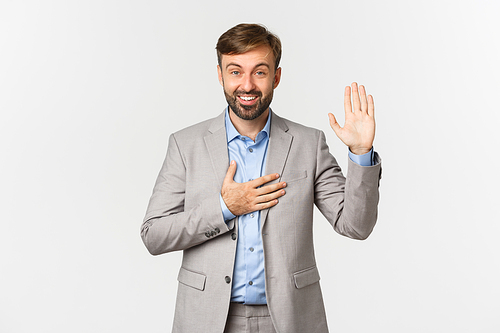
[(249, 80)]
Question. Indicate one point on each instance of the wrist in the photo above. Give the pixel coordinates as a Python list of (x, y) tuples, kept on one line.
[(360, 151)]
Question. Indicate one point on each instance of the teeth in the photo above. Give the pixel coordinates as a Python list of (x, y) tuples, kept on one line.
[(247, 98)]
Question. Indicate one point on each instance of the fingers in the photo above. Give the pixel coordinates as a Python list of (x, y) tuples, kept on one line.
[(243, 198), (355, 97), (266, 196), (269, 197), (264, 190), (371, 106), (347, 100), (364, 103), (266, 205), (264, 179), (360, 101), (231, 171)]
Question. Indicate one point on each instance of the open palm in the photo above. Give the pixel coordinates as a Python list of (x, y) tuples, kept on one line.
[(358, 132)]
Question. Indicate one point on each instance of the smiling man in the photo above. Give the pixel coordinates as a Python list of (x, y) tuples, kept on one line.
[(249, 80), (236, 194)]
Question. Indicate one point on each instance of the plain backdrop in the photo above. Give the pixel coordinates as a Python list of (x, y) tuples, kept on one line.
[(91, 90)]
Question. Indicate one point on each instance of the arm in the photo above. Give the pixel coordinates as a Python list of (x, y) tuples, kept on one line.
[(354, 213), (167, 226), (349, 204)]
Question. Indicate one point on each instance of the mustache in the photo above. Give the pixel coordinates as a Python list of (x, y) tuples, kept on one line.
[(251, 92)]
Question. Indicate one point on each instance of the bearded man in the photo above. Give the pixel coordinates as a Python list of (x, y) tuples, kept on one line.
[(236, 195)]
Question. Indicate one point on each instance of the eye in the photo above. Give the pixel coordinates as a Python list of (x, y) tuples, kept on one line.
[(260, 73), (234, 72)]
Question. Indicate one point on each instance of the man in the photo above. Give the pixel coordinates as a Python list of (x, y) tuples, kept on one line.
[(236, 194)]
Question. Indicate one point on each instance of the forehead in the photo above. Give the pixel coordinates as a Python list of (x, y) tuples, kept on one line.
[(258, 56)]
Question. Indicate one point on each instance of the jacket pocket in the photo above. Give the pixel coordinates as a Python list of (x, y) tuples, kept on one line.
[(306, 277), (294, 175), (191, 279)]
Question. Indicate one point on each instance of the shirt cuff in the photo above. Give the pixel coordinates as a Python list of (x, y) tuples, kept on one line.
[(363, 160), (225, 211)]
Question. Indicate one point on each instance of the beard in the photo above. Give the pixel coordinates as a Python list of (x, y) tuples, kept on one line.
[(248, 112)]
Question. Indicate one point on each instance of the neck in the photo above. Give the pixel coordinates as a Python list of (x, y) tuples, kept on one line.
[(249, 128)]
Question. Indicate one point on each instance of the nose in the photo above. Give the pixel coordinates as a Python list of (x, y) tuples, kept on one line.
[(248, 83)]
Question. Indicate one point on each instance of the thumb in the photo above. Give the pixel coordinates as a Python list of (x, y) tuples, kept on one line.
[(334, 124), (231, 171)]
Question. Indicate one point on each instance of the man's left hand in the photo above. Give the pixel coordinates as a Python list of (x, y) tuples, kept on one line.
[(358, 132)]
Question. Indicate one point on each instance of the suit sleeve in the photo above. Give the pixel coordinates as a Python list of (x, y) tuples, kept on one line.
[(349, 204), (167, 226)]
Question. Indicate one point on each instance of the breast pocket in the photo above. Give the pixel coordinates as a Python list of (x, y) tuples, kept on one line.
[(294, 175)]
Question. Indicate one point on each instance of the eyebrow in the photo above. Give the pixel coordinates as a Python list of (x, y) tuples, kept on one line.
[(232, 64), (258, 65)]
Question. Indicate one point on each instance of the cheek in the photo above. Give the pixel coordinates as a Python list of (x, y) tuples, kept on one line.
[(229, 89), (267, 86), (230, 83)]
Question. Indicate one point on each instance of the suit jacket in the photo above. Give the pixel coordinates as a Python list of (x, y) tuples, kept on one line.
[(184, 214)]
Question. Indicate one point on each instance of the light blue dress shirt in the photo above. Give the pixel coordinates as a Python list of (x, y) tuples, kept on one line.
[(249, 276)]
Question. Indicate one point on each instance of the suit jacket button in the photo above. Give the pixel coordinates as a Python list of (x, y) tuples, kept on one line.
[(207, 234), (233, 236), (212, 233), (228, 279), (217, 230)]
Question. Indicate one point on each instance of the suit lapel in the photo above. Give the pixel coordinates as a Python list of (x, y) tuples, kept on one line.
[(216, 143), (280, 142)]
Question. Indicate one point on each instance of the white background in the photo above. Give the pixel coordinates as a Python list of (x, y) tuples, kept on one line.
[(91, 90)]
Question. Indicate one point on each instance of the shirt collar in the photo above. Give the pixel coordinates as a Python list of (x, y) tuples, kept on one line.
[(232, 133)]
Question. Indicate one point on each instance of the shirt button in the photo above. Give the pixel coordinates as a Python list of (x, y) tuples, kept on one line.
[(242, 139), (251, 215), (228, 279), (251, 249), (250, 283), (233, 236), (250, 150)]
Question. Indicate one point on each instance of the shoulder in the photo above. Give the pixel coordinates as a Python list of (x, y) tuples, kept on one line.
[(200, 130), (296, 129)]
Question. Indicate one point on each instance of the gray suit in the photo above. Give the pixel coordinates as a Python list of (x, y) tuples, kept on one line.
[(184, 214)]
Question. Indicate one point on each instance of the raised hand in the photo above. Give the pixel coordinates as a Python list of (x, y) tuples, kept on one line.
[(243, 198), (358, 132)]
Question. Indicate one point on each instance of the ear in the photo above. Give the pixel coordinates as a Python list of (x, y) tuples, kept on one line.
[(219, 73), (277, 77)]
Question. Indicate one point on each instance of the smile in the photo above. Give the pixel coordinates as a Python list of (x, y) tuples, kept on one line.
[(248, 98)]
